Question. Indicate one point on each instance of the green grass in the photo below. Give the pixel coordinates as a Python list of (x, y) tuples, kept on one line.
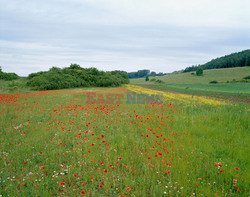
[(220, 75), (199, 85), (232, 91), (15, 86), (54, 144)]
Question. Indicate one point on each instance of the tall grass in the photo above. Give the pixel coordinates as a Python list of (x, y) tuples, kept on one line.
[(55, 144)]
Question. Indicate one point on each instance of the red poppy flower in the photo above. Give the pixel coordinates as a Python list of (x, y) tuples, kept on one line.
[(101, 186), (83, 192)]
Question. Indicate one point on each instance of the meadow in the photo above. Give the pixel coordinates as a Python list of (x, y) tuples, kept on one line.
[(92, 142), (221, 75), (230, 84)]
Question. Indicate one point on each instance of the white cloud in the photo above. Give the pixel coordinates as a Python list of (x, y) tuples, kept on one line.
[(160, 35), (178, 12)]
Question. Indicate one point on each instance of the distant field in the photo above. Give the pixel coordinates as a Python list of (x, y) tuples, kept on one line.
[(199, 85), (220, 75), (238, 92)]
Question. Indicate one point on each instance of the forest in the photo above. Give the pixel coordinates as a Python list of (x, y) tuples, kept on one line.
[(239, 59)]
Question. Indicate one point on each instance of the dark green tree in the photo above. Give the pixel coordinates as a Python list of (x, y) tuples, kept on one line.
[(199, 72), (147, 79)]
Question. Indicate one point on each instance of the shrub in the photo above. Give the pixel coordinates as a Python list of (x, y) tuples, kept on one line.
[(159, 81), (199, 72), (214, 81), (8, 76), (75, 76), (247, 77)]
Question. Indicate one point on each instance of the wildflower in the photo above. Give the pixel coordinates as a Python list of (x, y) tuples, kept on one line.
[(101, 186), (62, 184), (83, 192), (237, 168), (128, 188)]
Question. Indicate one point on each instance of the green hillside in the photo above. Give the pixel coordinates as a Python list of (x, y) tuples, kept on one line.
[(220, 75), (239, 59), (199, 85)]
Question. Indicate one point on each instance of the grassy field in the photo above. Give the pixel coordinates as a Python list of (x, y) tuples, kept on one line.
[(199, 85), (15, 86), (220, 75), (73, 142)]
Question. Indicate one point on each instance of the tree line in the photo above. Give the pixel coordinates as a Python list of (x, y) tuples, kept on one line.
[(8, 76), (239, 59), (75, 76), (141, 73)]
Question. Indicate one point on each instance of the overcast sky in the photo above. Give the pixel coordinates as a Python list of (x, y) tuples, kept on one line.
[(160, 35)]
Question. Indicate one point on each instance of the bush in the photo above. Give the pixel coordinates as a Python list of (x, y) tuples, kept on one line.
[(214, 81), (159, 81), (146, 79), (8, 76), (75, 76), (53, 81), (153, 79), (199, 72), (247, 77)]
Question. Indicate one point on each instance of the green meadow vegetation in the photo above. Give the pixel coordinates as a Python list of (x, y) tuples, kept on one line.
[(54, 143), (217, 82), (221, 75)]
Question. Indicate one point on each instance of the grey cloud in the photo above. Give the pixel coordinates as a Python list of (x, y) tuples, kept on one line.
[(43, 34)]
